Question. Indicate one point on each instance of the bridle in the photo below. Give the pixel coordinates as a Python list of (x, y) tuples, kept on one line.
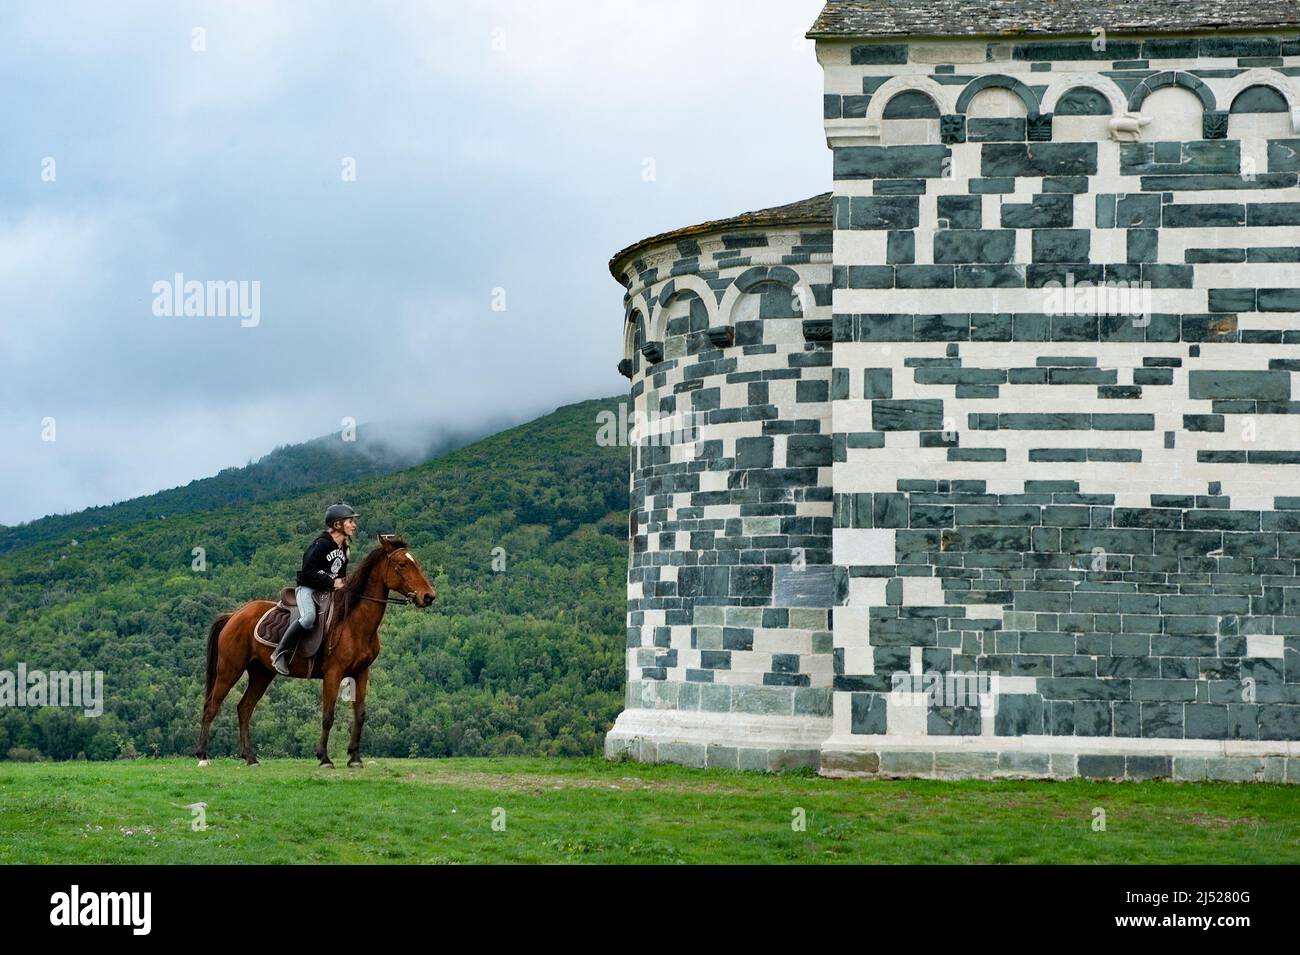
[(407, 598)]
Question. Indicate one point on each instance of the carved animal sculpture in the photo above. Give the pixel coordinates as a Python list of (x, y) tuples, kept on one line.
[(1128, 125)]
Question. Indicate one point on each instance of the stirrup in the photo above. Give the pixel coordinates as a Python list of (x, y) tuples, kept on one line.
[(278, 656)]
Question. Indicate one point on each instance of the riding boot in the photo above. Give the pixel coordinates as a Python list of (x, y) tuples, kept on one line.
[(288, 643)]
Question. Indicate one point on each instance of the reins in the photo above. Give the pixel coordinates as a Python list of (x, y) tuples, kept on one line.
[(406, 599)]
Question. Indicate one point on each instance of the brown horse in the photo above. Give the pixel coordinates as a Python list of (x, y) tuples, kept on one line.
[(352, 646)]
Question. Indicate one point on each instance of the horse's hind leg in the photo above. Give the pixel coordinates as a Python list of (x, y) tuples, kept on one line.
[(358, 719), (259, 678), (220, 688)]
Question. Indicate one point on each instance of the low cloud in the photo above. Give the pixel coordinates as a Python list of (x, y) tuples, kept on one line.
[(497, 145)]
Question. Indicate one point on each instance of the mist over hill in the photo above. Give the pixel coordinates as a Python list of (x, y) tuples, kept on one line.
[(379, 448)]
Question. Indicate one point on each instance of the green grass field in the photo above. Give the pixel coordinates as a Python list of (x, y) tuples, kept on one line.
[(590, 810)]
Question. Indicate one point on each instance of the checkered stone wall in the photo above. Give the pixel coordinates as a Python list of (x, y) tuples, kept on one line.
[(1094, 503), (730, 582)]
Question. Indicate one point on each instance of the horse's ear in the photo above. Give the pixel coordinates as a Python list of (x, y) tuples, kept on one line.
[(386, 540)]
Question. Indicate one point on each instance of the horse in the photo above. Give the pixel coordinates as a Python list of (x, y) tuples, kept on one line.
[(352, 645)]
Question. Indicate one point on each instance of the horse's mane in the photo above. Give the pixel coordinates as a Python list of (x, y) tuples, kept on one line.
[(350, 594)]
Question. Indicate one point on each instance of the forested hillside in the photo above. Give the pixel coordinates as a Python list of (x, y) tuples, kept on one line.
[(326, 461), (527, 660)]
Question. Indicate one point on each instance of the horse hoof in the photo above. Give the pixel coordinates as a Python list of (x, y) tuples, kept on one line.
[(202, 763), (355, 764), (254, 764), (326, 765)]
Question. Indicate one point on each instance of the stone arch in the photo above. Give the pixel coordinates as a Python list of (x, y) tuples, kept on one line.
[(674, 289), (1260, 98), (677, 286), (911, 104), (752, 280), (1286, 86), (697, 290), (1257, 77), (1085, 101), (634, 339), (1187, 81), (1068, 83), (910, 117), (942, 96), (630, 345), (982, 83), (649, 347)]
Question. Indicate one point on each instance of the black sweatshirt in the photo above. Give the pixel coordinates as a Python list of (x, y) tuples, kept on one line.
[(322, 562)]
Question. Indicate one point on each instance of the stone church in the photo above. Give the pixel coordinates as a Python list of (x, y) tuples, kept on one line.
[(986, 462)]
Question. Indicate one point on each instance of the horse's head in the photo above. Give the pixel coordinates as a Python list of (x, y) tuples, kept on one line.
[(403, 573)]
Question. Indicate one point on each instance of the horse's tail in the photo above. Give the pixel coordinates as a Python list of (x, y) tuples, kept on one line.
[(217, 626)]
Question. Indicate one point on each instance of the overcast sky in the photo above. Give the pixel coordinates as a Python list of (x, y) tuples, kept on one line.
[(495, 145)]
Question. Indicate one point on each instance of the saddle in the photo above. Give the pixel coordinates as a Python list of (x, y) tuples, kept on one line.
[(272, 625)]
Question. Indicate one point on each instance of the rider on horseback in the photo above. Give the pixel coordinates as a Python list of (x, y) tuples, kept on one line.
[(324, 564)]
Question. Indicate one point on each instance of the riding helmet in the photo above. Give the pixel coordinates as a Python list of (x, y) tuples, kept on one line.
[(338, 512)]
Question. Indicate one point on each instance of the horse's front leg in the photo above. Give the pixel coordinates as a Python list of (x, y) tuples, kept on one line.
[(358, 718), (329, 696)]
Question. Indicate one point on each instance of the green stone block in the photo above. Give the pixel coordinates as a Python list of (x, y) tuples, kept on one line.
[(683, 754), (711, 616), (878, 54), (918, 415), (708, 638), (887, 212), (1204, 215), (812, 701), (1253, 385), (783, 760), (961, 212), (1024, 764), (666, 693), (722, 757), (1064, 765), (891, 162), (1043, 212), (958, 246), (754, 760), (878, 383), (1234, 769), (1038, 159), (1138, 212), (744, 616), (906, 763), (1279, 300), (1148, 767), (865, 764), (1095, 766), (1061, 245), (715, 697), (807, 619), (965, 764), (768, 700), (868, 714)]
